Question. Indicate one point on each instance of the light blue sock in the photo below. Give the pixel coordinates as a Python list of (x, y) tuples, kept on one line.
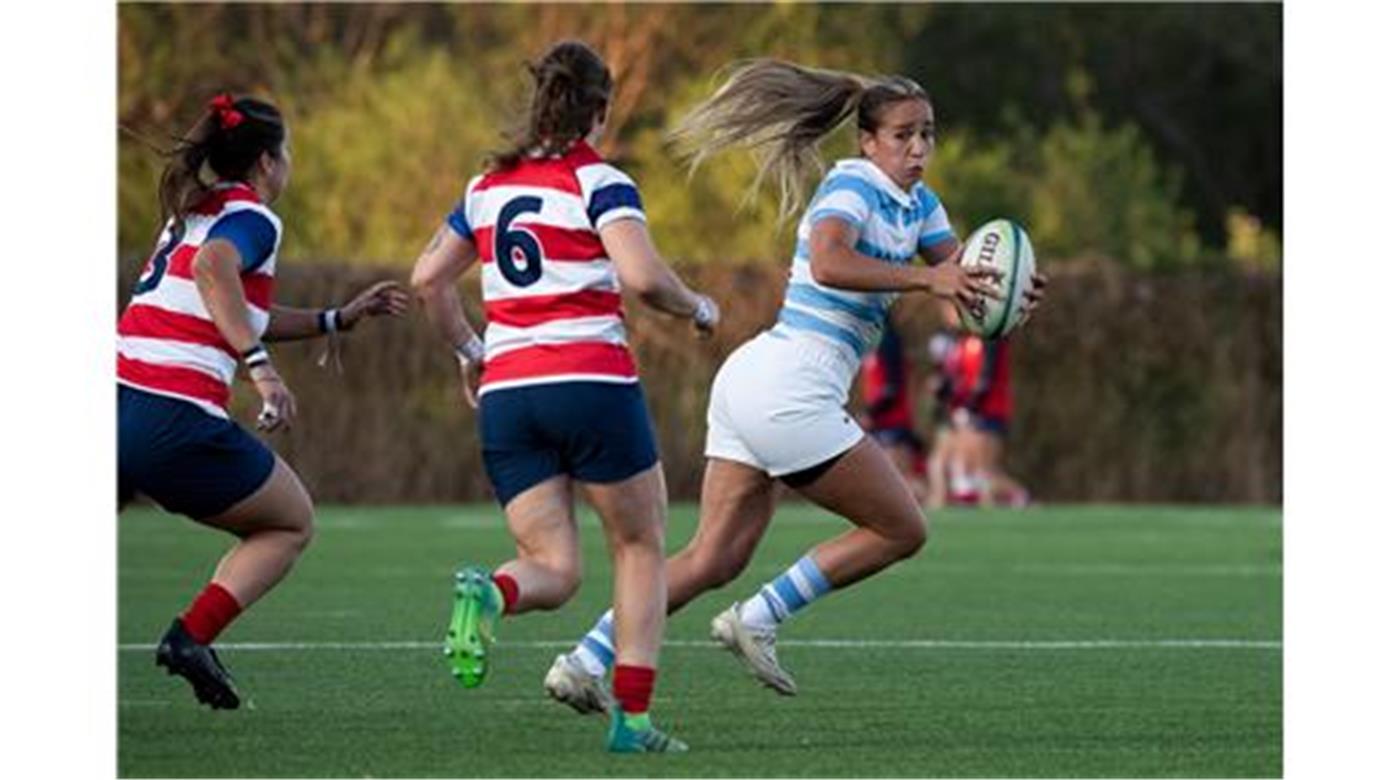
[(595, 651), (802, 584)]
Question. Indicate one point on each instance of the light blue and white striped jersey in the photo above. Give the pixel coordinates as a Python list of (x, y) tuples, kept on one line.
[(894, 225)]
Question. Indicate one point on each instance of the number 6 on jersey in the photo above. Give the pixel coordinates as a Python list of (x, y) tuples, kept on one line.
[(518, 252)]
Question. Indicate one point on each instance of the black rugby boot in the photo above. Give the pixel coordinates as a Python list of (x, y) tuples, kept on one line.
[(179, 654)]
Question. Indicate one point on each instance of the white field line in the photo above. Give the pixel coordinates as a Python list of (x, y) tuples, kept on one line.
[(923, 569), (1112, 569), (838, 644)]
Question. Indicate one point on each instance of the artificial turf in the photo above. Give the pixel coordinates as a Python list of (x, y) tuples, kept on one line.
[(1060, 641)]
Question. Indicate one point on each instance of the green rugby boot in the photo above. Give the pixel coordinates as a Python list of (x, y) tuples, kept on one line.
[(476, 605), (635, 737)]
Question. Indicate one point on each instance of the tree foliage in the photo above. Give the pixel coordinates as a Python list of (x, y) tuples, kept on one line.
[(1146, 134)]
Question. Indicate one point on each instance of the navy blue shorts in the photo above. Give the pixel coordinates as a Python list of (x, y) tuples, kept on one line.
[(184, 458), (997, 426), (897, 437), (591, 431)]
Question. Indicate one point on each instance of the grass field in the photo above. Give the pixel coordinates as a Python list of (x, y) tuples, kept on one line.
[(1066, 641)]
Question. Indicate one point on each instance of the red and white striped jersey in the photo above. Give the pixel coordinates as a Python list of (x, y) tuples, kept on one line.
[(552, 298), (166, 341)]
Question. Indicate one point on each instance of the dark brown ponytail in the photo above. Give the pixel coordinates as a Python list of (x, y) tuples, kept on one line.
[(572, 86), (228, 139)]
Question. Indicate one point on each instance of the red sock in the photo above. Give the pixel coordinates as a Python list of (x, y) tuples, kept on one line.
[(212, 610), (632, 687), (510, 591)]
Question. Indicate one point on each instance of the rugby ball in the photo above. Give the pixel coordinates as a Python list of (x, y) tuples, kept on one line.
[(1003, 245)]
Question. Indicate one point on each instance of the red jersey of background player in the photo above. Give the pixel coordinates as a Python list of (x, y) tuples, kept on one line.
[(884, 379), (982, 378)]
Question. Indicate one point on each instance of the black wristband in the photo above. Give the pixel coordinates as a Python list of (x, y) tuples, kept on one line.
[(256, 356)]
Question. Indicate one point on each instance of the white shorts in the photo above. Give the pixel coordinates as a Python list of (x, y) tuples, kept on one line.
[(778, 404)]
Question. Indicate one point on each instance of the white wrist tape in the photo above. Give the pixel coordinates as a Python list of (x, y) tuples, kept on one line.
[(705, 312), (471, 350)]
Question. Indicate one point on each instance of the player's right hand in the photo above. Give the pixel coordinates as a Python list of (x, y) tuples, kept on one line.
[(279, 406), (965, 285), (471, 379)]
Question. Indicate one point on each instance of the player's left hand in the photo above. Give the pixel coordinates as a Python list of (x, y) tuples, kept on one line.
[(706, 317), (379, 299)]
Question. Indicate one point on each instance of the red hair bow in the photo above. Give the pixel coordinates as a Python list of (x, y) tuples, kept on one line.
[(229, 117)]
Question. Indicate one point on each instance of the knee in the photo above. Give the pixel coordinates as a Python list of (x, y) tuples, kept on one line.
[(910, 540), (715, 567), (569, 578), (300, 524), (650, 537), (303, 532), (563, 573)]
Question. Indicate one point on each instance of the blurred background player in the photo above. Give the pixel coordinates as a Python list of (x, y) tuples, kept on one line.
[(976, 376), (938, 389), (987, 363), (777, 406), (557, 229), (202, 304), (970, 392), (889, 409)]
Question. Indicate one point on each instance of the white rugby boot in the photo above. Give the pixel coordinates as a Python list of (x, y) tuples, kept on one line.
[(757, 649), (568, 682)]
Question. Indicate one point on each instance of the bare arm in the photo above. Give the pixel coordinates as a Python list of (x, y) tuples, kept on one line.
[(946, 249), (642, 271), (216, 276), (447, 257), (836, 263), (288, 323)]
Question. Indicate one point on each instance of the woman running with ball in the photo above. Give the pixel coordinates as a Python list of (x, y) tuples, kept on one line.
[(777, 407), (204, 304)]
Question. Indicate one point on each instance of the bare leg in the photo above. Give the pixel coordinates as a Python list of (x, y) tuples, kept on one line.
[(274, 526), (867, 489), (737, 503), (1005, 489), (546, 567), (633, 512), (937, 495), (543, 575)]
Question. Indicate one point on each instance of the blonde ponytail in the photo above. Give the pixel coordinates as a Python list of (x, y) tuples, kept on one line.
[(777, 110)]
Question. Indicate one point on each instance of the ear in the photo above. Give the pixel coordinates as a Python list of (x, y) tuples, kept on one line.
[(866, 141)]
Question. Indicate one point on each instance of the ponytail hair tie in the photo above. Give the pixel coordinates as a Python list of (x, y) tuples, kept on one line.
[(222, 106)]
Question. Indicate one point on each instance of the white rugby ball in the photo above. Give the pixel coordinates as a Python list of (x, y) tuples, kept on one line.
[(1005, 246)]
